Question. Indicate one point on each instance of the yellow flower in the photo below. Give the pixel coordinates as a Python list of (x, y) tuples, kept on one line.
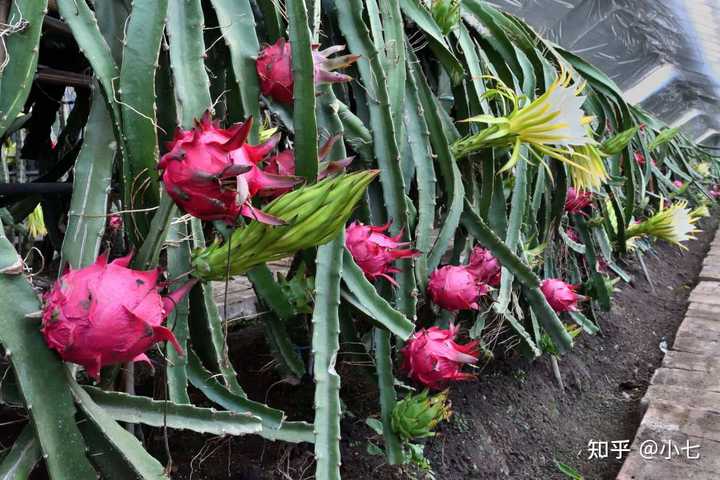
[(674, 224), (36, 223), (587, 168), (553, 124)]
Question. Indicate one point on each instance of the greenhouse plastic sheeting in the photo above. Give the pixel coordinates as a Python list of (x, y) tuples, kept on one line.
[(664, 54)]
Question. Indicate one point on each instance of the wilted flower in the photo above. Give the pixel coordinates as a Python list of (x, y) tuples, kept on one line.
[(577, 200), (433, 358), (274, 67), (416, 416), (374, 252), (485, 266), (284, 163), (212, 174), (561, 296), (674, 224), (456, 287), (107, 313)]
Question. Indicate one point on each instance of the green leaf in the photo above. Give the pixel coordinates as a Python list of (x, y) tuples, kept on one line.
[(377, 307)]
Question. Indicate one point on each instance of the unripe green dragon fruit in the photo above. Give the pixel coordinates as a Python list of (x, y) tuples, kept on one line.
[(314, 215), (417, 415)]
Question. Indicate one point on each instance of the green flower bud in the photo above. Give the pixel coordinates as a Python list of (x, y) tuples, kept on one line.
[(446, 14), (417, 415), (616, 143), (314, 215)]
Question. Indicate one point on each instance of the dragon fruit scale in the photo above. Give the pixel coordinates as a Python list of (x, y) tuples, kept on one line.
[(107, 313), (274, 67), (212, 174)]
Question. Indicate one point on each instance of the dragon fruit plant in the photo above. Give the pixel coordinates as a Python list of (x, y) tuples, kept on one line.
[(451, 212)]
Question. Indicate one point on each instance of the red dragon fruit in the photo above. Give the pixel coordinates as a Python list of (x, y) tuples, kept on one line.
[(577, 200), (572, 234), (274, 67), (212, 174), (284, 164), (561, 296), (456, 287), (715, 191), (374, 252), (433, 357), (107, 313), (485, 266), (115, 222)]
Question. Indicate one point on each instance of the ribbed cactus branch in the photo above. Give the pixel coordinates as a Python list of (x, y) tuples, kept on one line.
[(306, 150), (24, 26), (178, 262), (325, 346), (185, 23), (449, 170), (136, 88), (123, 443), (237, 25), (93, 173), (134, 409), (378, 308)]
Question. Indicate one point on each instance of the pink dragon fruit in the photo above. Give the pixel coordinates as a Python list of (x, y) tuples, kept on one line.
[(374, 252), (274, 67), (485, 266), (115, 222), (577, 200), (212, 174), (284, 164), (561, 296), (715, 191), (107, 313), (433, 357), (678, 184), (572, 234), (456, 287)]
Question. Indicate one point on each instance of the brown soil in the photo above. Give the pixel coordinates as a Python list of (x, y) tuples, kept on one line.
[(513, 422)]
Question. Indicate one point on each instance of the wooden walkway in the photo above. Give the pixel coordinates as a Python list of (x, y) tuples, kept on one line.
[(679, 437)]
